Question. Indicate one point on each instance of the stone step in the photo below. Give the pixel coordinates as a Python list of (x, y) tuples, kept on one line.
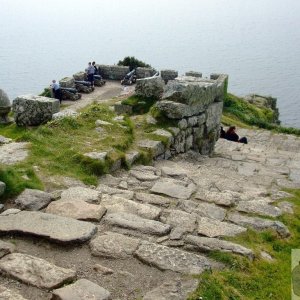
[(211, 244), (114, 245), (153, 199), (115, 191), (144, 175), (259, 207), (115, 204), (79, 193), (52, 227), (258, 223), (82, 289), (35, 271), (165, 258), (215, 228), (76, 209), (134, 222), (7, 294)]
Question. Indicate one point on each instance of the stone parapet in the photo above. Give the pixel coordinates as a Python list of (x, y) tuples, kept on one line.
[(113, 72), (32, 110), (167, 75)]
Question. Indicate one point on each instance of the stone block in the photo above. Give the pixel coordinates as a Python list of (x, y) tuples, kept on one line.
[(155, 147), (32, 110), (193, 74), (113, 72), (67, 82), (165, 134), (131, 158), (81, 76), (144, 72), (214, 113), (167, 75), (150, 87)]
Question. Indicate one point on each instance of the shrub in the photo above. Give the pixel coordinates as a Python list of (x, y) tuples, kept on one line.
[(132, 63)]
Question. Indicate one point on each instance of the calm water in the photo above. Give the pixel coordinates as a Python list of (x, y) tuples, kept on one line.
[(257, 42)]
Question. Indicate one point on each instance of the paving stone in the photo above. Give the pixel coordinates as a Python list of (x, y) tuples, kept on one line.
[(52, 227), (224, 198), (33, 199), (13, 153), (173, 189), (35, 271), (123, 185), (144, 176), (277, 195), (211, 244), (215, 228), (114, 245), (182, 221), (116, 204), (6, 248), (79, 193), (79, 210), (134, 222), (173, 172), (286, 207), (7, 294), (165, 258), (203, 209), (10, 211), (173, 289), (82, 289), (259, 207), (153, 199), (258, 223), (114, 191)]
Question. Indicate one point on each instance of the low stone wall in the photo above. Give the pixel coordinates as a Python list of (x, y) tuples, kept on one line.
[(194, 105), (167, 75)]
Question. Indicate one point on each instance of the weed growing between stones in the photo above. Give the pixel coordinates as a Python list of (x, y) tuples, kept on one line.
[(260, 279)]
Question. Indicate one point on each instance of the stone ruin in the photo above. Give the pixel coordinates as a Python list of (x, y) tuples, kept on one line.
[(193, 104)]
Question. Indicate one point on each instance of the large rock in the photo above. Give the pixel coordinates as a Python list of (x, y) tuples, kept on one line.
[(258, 223), (35, 271), (82, 289), (52, 227), (259, 207), (214, 228), (7, 294), (156, 148), (173, 289), (181, 221), (114, 245), (173, 188), (33, 199), (115, 204), (224, 198), (77, 209), (212, 244), (79, 193), (32, 110), (165, 258), (134, 222), (150, 87)]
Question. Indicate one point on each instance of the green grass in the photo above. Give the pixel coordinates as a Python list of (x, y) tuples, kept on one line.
[(244, 114), (57, 148), (140, 105), (260, 279)]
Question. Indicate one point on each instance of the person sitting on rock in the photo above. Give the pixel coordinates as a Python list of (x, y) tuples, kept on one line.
[(231, 135)]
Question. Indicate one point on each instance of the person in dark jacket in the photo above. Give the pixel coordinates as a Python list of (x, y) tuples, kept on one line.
[(56, 90), (231, 135)]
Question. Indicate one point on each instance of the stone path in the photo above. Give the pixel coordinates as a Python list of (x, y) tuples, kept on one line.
[(147, 230)]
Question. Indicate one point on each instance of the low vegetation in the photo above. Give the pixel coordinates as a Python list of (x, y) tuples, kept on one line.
[(261, 279), (133, 63), (140, 105)]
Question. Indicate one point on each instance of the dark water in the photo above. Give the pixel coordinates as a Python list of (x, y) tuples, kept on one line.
[(257, 42)]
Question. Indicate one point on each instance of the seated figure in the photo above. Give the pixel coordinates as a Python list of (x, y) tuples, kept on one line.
[(231, 135)]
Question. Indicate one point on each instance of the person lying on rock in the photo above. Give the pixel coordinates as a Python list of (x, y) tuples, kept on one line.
[(231, 135)]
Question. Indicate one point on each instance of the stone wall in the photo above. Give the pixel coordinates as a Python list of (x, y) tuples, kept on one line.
[(194, 106)]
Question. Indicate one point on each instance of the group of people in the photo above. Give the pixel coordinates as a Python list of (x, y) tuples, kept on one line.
[(91, 70), (231, 135)]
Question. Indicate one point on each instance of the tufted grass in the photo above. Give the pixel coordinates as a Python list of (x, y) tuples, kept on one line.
[(260, 279)]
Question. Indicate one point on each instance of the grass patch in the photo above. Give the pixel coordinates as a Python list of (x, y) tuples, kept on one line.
[(260, 279), (140, 105)]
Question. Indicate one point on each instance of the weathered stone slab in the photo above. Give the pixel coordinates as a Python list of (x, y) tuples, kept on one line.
[(6, 248), (65, 113), (10, 211), (214, 228), (211, 244), (259, 207), (115, 204), (214, 113), (79, 193), (165, 134), (153, 199), (203, 209), (32, 110), (165, 258), (134, 222), (173, 172), (102, 123), (182, 221), (144, 176), (13, 153), (97, 155), (131, 157), (52, 227), (35, 271), (150, 87), (33, 199), (258, 223), (173, 189), (114, 191), (286, 207), (156, 148), (7, 294), (173, 289), (77, 209), (114, 245), (224, 198), (82, 289)]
